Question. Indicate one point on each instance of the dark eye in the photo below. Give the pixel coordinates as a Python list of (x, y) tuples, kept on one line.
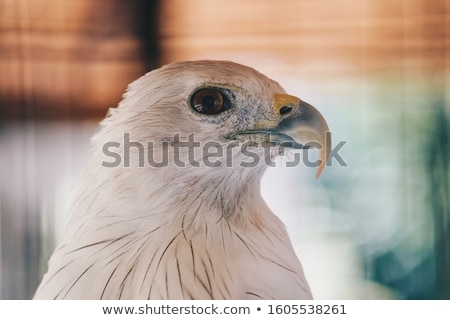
[(209, 101)]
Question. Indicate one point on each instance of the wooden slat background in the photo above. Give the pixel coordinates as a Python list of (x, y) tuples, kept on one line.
[(343, 36), (71, 59), (74, 58)]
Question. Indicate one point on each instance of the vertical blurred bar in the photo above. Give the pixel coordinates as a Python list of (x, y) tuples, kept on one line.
[(439, 149), (439, 182), (62, 63)]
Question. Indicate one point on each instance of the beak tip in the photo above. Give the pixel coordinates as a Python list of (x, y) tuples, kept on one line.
[(325, 153), (319, 171)]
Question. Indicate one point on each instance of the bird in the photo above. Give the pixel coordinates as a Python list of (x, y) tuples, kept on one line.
[(169, 204)]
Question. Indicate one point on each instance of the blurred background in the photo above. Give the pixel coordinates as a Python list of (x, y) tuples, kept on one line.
[(374, 228)]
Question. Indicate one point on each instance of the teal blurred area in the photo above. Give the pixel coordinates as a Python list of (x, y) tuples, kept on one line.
[(376, 223), (385, 212)]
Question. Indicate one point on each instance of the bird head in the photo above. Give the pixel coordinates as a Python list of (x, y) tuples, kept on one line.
[(205, 106), (198, 130)]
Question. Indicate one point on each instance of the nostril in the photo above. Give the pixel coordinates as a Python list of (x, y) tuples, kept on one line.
[(285, 110)]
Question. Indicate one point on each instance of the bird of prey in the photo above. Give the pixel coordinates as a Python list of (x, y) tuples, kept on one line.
[(169, 205)]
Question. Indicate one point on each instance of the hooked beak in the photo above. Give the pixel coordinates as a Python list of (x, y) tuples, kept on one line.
[(305, 128), (301, 127)]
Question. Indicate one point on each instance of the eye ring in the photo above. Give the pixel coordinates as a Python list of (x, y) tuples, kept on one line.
[(209, 101)]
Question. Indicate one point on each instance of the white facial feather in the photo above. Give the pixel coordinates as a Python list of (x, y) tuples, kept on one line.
[(174, 232)]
